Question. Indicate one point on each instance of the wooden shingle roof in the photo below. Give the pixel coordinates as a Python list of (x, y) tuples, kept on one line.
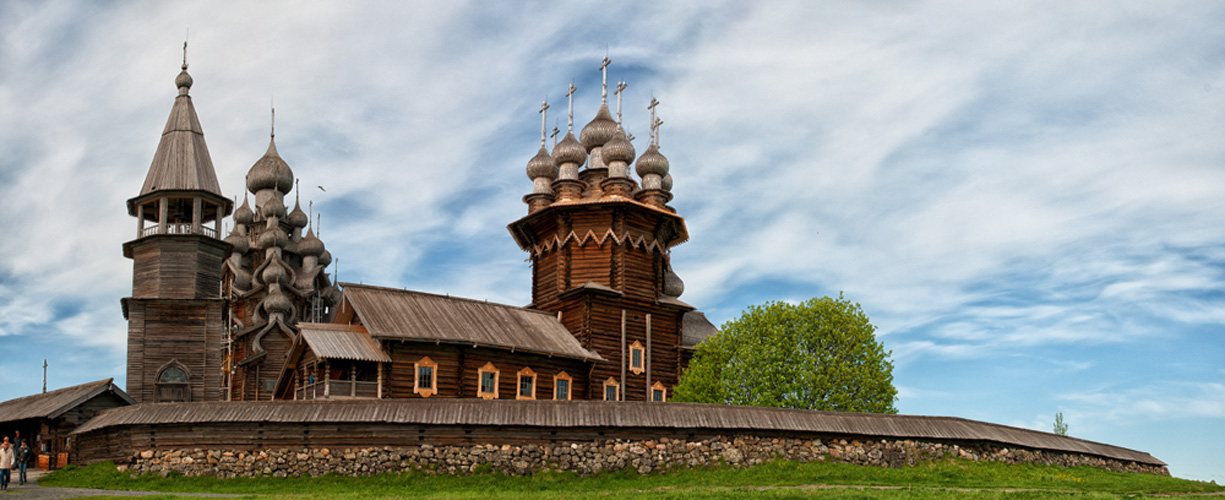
[(182, 162), (591, 414), (55, 403), (388, 313), (333, 341)]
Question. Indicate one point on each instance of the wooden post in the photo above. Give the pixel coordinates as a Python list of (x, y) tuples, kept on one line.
[(217, 223), (380, 386), (327, 379), (648, 360), (163, 212), (621, 390), (197, 214), (140, 221), (352, 379)]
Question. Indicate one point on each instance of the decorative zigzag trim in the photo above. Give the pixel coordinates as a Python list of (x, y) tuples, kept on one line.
[(625, 240)]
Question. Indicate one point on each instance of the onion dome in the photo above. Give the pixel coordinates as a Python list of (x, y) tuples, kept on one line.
[(297, 218), (239, 242), (673, 286), (325, 258), (541, 165), (273, 208), (183, 81), (242, 279), (666, 183), (652, 162), (569, 151), (274, 273), (270, 172), (600, 130), (244, 215), (618, 148), (276, 301), (274, 237), (310, 246)]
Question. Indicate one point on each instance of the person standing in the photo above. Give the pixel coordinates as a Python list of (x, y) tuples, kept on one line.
[(23, 460), (6, 463)]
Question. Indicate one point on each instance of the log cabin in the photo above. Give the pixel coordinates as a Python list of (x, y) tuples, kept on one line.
[(256, 316)]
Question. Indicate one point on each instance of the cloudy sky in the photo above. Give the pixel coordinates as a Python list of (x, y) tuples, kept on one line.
[(1027, 199)]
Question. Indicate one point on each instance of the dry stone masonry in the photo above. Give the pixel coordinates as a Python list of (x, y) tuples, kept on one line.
[(587, 458)]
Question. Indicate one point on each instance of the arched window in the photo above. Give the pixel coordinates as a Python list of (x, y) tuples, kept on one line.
[(173, 384)]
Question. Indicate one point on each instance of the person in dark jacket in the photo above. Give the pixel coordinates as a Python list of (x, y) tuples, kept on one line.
[(22, 459)]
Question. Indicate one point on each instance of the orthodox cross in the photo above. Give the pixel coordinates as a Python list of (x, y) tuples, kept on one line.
[(570, 114), (184, 54), (604, 70), (658, 122), (272, 133), (543, 128), (620, 87), (654, 102), (554, 134)]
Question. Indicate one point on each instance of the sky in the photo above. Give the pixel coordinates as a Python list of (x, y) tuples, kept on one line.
[(1026, 198)]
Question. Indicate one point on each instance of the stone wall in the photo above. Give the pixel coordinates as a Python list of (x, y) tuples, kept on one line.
[(587, 458)]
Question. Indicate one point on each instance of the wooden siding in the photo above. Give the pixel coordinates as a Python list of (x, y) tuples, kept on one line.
[(115, 433), (189, 332), (458, 366), (176, 266)]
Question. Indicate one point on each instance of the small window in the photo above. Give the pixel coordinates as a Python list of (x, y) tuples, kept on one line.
[(173, 384), (561, 386), (487, 378), (527, 384), (611, 388), (659, 393), (427, 379), (636, 355)]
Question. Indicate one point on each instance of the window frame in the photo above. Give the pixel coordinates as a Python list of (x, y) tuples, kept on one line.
[(183, 387), (525, 373), (480, 376), (425, 392), (636, 348), (612, 382), (563, 377), (659, 386)]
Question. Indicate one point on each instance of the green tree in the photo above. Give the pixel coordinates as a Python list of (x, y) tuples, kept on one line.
[(1061, 427), (821, 354)]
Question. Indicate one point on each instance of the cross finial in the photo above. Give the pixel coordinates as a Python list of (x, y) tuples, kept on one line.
[(620, 87), (570, 114), (544, 107), (554, 134), (658, 122), (654, 124), (272, 132), (185, 53), (604, 69), (310, 207)]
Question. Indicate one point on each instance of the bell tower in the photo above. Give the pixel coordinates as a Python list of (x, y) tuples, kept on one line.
[(599, 243), (175, 313)]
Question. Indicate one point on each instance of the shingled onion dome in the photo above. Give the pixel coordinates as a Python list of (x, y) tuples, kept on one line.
[(310, 246), (274, 237), (325, 258), (569, 150), (274, 272), (652, 162), (270, 172), (183, 81), (541, 166), (244, 215), (673, 286), (297, 218), (276, 301), (666, 183), (239, 242), (600, 130), (273, 208), (618, 148)]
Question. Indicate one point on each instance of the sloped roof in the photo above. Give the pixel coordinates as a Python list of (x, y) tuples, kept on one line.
[(182, 162), (402, 314), (55, 403), (695, 328), (341, 342), (628, 414)]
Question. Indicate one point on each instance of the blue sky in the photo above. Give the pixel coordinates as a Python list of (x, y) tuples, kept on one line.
[(1026, 198)]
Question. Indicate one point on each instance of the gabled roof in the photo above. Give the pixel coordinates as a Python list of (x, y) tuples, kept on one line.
[(401, 314), (55, 403), (350, 342), (182, 162)]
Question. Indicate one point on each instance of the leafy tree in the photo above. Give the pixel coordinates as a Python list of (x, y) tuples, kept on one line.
[(1061, 427), (821, 354)]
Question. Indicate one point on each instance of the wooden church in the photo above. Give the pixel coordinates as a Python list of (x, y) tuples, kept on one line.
[(255, 316)]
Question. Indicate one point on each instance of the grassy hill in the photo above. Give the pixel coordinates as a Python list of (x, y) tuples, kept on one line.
[(943, 479)]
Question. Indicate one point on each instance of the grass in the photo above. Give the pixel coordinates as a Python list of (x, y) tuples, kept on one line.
[(781, 479)]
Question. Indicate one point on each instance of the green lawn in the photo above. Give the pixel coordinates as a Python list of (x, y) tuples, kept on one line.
[(944, 479)]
